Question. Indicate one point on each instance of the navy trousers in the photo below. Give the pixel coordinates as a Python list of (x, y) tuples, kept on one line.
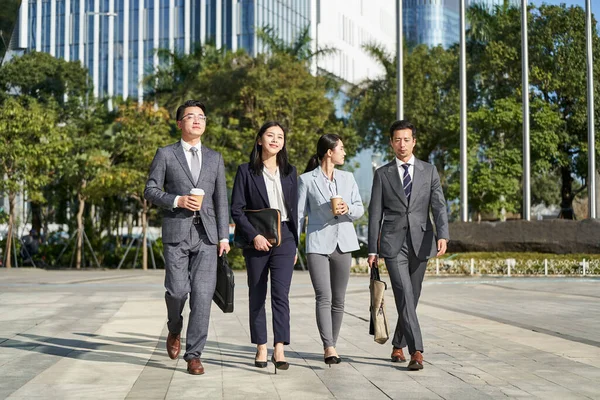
[(279, 262)]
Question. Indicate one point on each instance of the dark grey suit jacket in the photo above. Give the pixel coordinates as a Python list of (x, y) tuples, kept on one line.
[(170, 176), (391, 217)]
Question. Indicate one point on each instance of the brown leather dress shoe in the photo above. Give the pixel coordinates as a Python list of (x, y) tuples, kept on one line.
[(173, 345), (195, 367), (398, 355), (416, 361)]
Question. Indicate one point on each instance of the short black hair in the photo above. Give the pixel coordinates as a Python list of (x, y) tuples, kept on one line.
[(401, 125), (189, 103)]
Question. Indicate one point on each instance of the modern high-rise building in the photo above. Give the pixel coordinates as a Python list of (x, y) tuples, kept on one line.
[(347, 26), (116, 39), (436, 22)]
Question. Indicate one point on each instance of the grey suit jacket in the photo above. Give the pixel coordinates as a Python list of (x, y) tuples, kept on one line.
[(391, 217), (324, 230), (170, 176)]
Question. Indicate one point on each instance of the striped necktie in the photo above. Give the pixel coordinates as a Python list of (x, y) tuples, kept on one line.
[(406, 181)]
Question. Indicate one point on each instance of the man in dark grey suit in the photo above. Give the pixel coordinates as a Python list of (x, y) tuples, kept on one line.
[(401, 231), (190, 242)]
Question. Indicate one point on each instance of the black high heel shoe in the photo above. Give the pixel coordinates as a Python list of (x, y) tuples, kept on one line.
[(332, 360), (259, 364), (282, 365)]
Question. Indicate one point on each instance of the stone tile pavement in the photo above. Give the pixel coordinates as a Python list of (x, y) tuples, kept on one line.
[(101, 335)]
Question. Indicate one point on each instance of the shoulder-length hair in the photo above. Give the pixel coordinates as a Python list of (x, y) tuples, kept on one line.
[(256, 161)]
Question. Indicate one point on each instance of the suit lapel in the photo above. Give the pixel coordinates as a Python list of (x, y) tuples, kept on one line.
[(286, 185), (259, 182), (417, 179), (205, 163), (180, 155), (320, 182), (394, 178)]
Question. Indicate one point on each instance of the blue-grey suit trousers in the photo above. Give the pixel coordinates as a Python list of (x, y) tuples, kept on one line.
[(191, 268)]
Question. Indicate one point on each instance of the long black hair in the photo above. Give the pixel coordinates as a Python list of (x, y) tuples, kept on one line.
[(326, 142), (256, 161)]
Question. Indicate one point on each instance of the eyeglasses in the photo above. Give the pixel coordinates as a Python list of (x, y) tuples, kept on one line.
[(194, 117)]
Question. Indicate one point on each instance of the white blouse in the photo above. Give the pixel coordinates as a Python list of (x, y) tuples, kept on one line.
[(275, 192)]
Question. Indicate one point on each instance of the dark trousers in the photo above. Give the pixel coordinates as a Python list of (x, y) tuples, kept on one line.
[(191, 268), (279, 262), (406, 272)]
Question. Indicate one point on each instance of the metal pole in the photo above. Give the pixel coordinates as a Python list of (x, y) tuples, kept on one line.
[(399, 63), (591, 178), (464, 206), (526, 146)]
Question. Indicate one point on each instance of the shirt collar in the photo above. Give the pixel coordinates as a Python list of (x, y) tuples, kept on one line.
[(186, 146), (411, 161), (271, 176), (325, 176)]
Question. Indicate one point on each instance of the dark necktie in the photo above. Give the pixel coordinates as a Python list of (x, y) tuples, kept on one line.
[(195, 164), (406, 181)]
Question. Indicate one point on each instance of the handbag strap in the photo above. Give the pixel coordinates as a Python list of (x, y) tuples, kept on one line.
[(375, 273)]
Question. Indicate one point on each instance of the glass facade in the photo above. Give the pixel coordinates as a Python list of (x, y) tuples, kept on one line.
[(118, 58), (286, 18), (435, 22)]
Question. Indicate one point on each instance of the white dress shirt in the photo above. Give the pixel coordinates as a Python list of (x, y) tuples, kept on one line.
[(275, 192), (331, 184), (411, 168)]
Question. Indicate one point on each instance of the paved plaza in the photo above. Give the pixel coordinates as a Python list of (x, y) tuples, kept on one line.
[(101, 335)]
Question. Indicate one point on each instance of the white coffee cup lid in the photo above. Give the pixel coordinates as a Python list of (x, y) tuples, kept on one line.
[(197, 192), (337, 196)]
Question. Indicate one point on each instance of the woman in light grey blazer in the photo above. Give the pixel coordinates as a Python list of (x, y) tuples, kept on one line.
[(330, 237)]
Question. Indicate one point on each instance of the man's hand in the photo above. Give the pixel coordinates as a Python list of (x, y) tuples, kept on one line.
[(188, 202), (223, 248), (372, 260), (442, 244), (261, 243)]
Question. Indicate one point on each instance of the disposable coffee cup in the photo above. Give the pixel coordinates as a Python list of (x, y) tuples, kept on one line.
[(198, 194), (335, 201)]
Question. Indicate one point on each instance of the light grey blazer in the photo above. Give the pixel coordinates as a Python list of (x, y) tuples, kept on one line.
[(324, 230), (170, 176), (391, 217)]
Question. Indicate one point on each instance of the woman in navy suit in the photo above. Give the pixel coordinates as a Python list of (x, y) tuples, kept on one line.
[(330, 236), (268, 181)]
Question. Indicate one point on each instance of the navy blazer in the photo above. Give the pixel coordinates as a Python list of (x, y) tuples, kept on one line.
[(250, 193)]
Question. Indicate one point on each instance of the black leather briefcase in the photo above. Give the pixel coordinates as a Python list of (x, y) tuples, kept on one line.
[(223, 296)]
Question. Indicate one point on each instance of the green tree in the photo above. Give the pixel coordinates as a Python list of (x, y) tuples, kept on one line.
[(31, 144), (136, 134), (430, 98), (54, 82)]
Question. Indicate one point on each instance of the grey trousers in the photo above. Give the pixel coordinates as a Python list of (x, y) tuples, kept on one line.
[(191, 268), (406, 274), (329, 274)]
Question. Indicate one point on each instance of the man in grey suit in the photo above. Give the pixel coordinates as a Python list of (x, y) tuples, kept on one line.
[(401, 231), (190, 242)]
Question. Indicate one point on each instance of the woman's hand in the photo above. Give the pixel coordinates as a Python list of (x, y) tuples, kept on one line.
[(342, 208), (261, 243)]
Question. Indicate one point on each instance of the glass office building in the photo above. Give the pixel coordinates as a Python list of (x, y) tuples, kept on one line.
[(436, 22), (116, 39)]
